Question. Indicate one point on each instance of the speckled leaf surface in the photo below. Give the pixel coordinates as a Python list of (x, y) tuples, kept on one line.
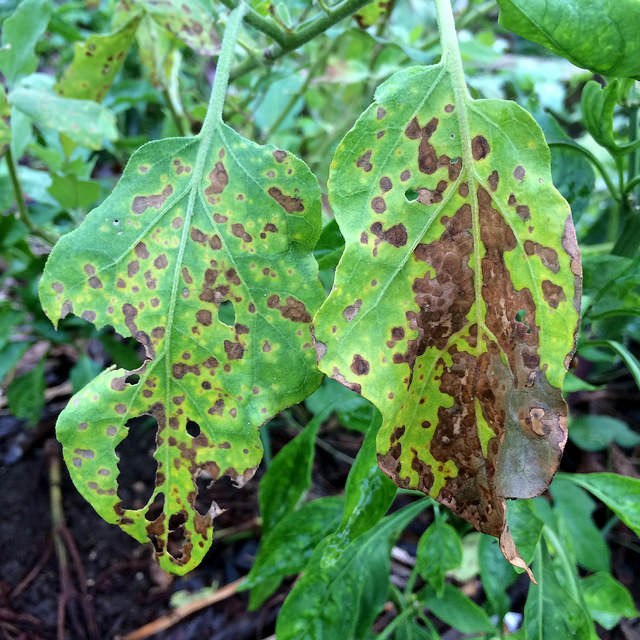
[(455, 303), (195, 226), (96, 63)]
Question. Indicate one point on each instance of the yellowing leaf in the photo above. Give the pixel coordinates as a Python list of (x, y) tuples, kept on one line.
[(96, 63), (455, 303), (203, 254)]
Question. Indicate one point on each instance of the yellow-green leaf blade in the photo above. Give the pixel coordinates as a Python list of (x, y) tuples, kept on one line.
[(202, 253), (455, 304)]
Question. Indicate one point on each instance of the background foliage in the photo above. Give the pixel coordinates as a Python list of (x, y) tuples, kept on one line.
[(303, 76)]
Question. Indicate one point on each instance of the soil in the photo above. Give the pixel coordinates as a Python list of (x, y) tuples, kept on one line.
[(123, 586)]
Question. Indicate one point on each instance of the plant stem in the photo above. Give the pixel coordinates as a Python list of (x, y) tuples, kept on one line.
[(396, 622), (254, 19), (569, 144), (23, 210), (223, 68), (306, 32)]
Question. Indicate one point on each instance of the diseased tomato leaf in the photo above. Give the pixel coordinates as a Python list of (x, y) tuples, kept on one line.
[(203, 254), (455, 304), (96, 63)]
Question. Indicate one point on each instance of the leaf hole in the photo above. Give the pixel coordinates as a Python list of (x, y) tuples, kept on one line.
[(411, 195), (116, 222), (132, 379), (521, 314), (136, 465), (177, 520), (227, 313), (204, 493), (156, 508), (193, 428)]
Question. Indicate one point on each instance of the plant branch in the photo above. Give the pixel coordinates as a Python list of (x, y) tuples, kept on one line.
[(265, 25), (23, 210), (306, 32)]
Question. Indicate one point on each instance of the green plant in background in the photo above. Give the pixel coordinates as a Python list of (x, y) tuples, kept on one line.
[(453, 308)]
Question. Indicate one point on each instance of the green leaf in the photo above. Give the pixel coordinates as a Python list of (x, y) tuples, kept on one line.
[(202, 253), (26, 395), (10, 355), (525, 526), (371, 13), (598, 104), (83, 372), (607, 600), (439, 550), (368, 492), (564, 28), (594, 433), (286, 548), (497, 575), (96, 63), (551, 610), (575, 507), (456, 609), (344, 586), (632, 363), (454, 307), (294, 462), (620, 493), (83, 121), (20, 33), (72, 192)]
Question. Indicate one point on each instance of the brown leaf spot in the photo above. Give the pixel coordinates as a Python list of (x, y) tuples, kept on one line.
[(480, 148), (395, 235), (203, 316), (553, 294), (95, 282), (234, 350), (140, 203), (239, 231), (279, 155), (292, 309), (288, 203), (351, 311), (523, 211), (218, 180), (405, 175), (448, 108), (519, 173), (141, 250), (547, 255), (385, 183), (378, 204), (161, 261), (359, 365), (380, 113), (363, 162), (493, 180)]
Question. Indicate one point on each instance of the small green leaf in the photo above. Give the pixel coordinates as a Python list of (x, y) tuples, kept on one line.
[(286, 549), (26, 395), (620, 493), (83, 372), (575, 507), (607, 600), (96, 63), (294, 462), (525, 527), (83, 121), (456, 609), (439, 550), (10, 355), (344, 586), (371, 13), (72, 192), (598, 104), (552, 610), (595, 433), (368, 492), (496, 573), (561, 27), (20, 33)]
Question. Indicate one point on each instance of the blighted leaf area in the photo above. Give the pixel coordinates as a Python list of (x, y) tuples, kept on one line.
[(455, 305), (203, 256)]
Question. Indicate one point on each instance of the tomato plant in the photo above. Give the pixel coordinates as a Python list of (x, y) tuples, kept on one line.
[(431, 271)]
